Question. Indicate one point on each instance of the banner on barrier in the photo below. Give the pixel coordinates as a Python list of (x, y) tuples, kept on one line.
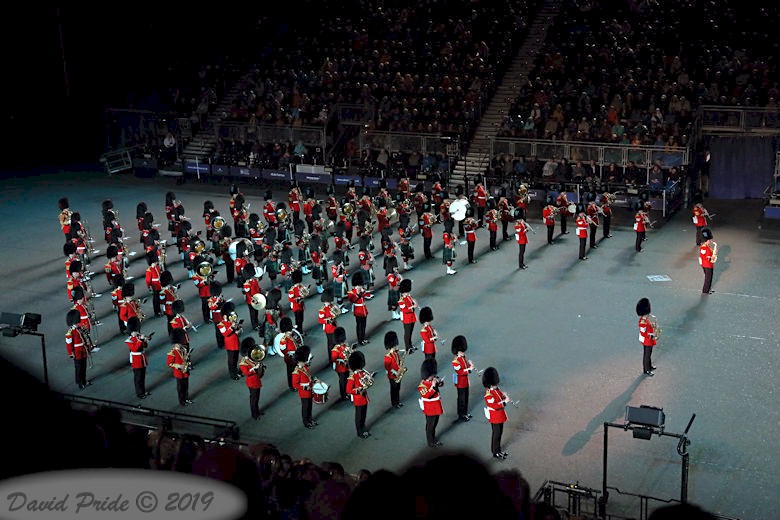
[(197, 167), (277, 175), (316, 178), (220, 169), (373, 182), (340, 179), (245, 172)]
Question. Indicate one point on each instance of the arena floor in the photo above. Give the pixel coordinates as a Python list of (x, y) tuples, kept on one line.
[(562, 333)]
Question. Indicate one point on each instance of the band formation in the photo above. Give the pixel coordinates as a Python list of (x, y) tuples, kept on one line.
[(307, 237)]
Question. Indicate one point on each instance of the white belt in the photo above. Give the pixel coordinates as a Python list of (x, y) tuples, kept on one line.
[(358, 304), (136, 353), (430, 400)]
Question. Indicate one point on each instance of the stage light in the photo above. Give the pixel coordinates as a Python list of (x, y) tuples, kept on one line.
[(645, 416)]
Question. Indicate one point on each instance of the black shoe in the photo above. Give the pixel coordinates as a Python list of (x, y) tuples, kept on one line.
[(608, 236), (469, 416), (142, 396), (594, 246), (293, 390), (565, 233), (309, 426), (472, 261), (188, 402), (436, 444), (649, 373), (584, 258), (465, 418), (654, 367), (523, 266), (399, 405), (364, 435), (235, 377), (499, 456)]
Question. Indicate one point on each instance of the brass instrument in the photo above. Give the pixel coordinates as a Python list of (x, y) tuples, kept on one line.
[(528, 227), (656, 327), (281, 214), (258, 302), (64, 217), (335, 311), (187, 363), (305, 291), (402, 368), (367, 380), (136, 304), (204, 269), (347, 209), (522, 190), (714, 255), (257, 354), (89, 345), (217, 223)]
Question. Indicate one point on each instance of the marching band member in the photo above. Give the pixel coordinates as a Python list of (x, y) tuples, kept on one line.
[(80, 304), (338, 273), (522, 200), (140, 212), (179, 361), (358, 296), (253, 371), (357, 387), (521, 235), (470, 227), (403, 187), (319, 263), (382, 219), (180, 321), (170, 210), (242, 260), (408, 308), (269, 209), (563, 203), (339, 356), (641, 221), (225, 235), (419, 201), (592, 216), (113, 266), (700, 221), (215, 310), (505, 214), (395, 368), (230, 328), (296, 296), (308, 210), (203, 284), (273, 315), (77, 279), (303, 381), (491, 218), (582, 233), (129, 307), (153, 283), (117, 300), (428, 333), (708, 255), (167, 296), (332, 207), (77, 344), (430, 400), (548, 218), (495, 402), (480, 199), (647, 335), (463, 367), (69, 250), (426, 228), (234, 192), (137, 343), (437, 195), (251, 287), (327, 316), (366, 260), (394, 279), (240, 216), (209, 214), (294, 197), (407, 250), (287, 348), (606, 210), (64, 217), (346, 219), (448, 251)]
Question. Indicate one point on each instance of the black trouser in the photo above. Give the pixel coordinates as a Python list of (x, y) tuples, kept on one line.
[(168, 318), (156, 302), (122, 328), (463, 402), (204, 307), (480, 214), (495, 438), (427, 247), (563, 223), (232, 362), (699, 238), (607, 223), (254, 402), (80, 366), (408, 328), (647, 362), (253, 317), (395, 393), (360, 327), (707, 279), (431, 356), (139, 378), (360, 418), (583, 243), (290, 368), (343, 377), (640, 236), (230, 269), (183, 388), (550, 232), (220, 337), (504, 232), (306, 410), (521, 255), (299, 321), (430, 428), (592, 235), (461, 230), (493, 239), (331, 342), (471, 251), (310, 225)]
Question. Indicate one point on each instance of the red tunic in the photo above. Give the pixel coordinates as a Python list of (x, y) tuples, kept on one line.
[(203, 285), (480, 196), (357, 297), (302, 381), (251, 370), (582, 227), (429, 344), (356, 390), (251, 287), (462, 368), (494, 401), (215, 306), (75, 344), (226, 328), (646, 332), (407, 306), (705, 255), (153, 278), (521, 235), (639, 222), (177, 359), (295, 297), (137, 354), (699, 220), (339, 358), (392, 365), (325, 317), (430, 398)]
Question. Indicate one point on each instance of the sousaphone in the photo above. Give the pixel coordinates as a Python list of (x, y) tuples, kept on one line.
[(258, 302), (458, 209)]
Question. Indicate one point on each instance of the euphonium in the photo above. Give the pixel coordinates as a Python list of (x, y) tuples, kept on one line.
[(217, 223), (204, 269), (257, 354), (347, 209), (367, 379)]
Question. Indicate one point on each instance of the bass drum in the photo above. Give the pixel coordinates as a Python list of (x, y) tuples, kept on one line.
[(572, 209)]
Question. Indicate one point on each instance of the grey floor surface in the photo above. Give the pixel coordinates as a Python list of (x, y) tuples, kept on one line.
[(562, 333)]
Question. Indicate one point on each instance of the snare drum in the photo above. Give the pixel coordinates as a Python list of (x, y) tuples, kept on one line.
[(320, 392)]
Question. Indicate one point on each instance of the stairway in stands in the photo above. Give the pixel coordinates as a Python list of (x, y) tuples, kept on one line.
[(478, 158)]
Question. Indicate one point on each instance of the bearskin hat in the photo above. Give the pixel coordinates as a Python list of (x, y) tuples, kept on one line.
[(357, 279), (428, 368), (179, 336), (459, 344), (268, 195), (185, 226), (227, 308), (207, 205), (128, 289), (458, 191), (391, 339), (107, 205), (477, 179), (338, 256), (134, 324), (329, 189), (419, 187), (166, 278), (490, 377), (233, 189), (248, 271), (239, 198), (77, 293), (340, 335), (327, 295), (296, 276), (151, 257), (285, 324), (118, 281), (357, 360), (706, 233), (426, 315), (75, 217), (177, 306), (240, 249), (491, 203), (69, 248), (169, 198), (247, 345), (254, 220), (303, 353), (273, 297), (643, 307), (112, 251), (73, 317), (63, 203), (215, 288), (140, 210), (502, 192), (75, 266), (405, 286), (309, 192), (226, 231)]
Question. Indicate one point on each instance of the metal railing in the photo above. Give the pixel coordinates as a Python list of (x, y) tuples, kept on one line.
[(745, 120)]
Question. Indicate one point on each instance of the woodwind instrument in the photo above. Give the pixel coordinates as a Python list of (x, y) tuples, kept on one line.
[(714, 255), (402, 368), (656, 326), (528, 227)]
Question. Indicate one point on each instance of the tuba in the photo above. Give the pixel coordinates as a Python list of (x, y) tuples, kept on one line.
[(257, 354), (217, 223), (347, 209), (204, 269), (258, 302)]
